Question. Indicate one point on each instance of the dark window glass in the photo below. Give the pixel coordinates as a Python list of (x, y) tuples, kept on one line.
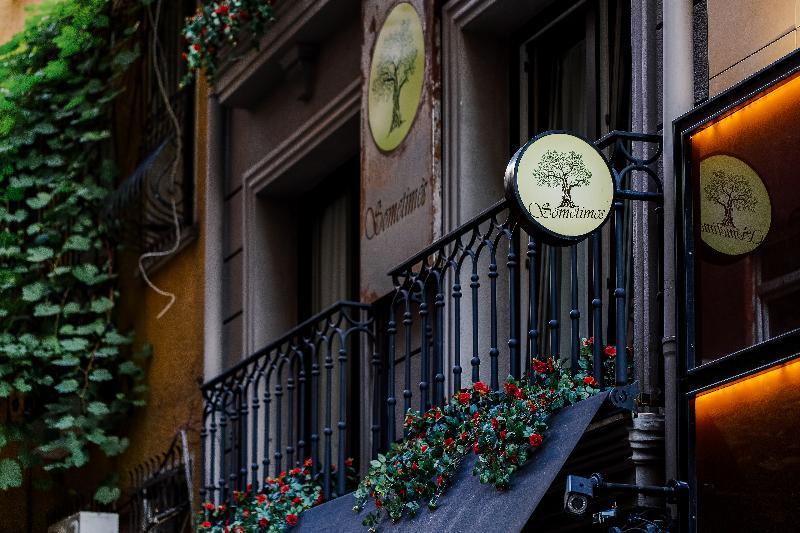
[(745, 190), (748, 453)]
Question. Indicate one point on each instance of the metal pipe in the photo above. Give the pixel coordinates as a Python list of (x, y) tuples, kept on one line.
[(677, 99)]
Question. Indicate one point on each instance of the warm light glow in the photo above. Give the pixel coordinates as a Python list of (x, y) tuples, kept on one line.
[(739, 394), (758, 112)]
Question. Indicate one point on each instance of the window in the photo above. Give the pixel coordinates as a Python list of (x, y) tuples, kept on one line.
[(160, 173), (740, 324), (575, 75)]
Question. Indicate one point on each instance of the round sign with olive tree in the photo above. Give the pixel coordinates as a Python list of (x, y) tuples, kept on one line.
[(561, 187), (396, 76)]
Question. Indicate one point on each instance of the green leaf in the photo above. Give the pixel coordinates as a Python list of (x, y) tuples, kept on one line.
[(78, 243), (46, 309), (128, 368), (39, 201), (86, 273), (98, 408), (107, 494), (65, 422), (34, 291), (101, 305), (10, 474), (100, 374), (75, 344), (38, 254), (67, 386)]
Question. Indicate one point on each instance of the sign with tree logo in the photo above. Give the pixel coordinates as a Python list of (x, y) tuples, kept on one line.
[(561, 186), (396, 76), (735, 209)]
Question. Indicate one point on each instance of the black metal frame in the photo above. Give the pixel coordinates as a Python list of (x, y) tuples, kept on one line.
[(697, 378), (421, 283), (243, 439), (160, 493)]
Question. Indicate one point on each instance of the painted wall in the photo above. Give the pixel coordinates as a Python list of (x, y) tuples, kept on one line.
[(175, 369), (12, 17), (744, 36)]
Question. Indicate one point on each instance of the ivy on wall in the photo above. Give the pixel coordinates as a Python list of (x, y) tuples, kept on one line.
[(66, 380)]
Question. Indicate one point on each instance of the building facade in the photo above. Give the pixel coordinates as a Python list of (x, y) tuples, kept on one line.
[(346, 249)]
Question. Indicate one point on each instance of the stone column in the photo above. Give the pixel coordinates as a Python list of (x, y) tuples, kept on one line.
[(646, 436)]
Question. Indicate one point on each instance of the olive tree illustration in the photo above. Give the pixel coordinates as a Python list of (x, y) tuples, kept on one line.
[(562, 169), (731, 192), (395, 66)]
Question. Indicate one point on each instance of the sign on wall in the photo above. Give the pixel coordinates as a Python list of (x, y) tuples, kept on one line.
[(400, 138), (561, 187), (396, 75), (735, 209)]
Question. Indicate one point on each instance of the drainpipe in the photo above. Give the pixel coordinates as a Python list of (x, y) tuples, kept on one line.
[(678, 76), (212, 316)]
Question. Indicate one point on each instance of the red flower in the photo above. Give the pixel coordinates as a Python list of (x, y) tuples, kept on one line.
[(196, 47), (209, 506), (184, 56), (291, 519), (531, 406), (424, 448), (495, 424), (414, 466), (588, 342), (439, 480), (480, 387), (503, 435), (464, 436), (206, 524), (222, 10), (448, 442), (378, 504), (263, 522), (535, 440), (284, 489), (308, 462), (476, 448), (294, 471), (348, 462), (438, 415), (463, 397), (538, 366), (589, 380), (221, 508), (296, 500), (261, 498), (610, 351)]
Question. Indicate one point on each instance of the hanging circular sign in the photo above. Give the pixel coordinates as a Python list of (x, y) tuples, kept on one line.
[(395, 79), (735, 209), (561, 186)]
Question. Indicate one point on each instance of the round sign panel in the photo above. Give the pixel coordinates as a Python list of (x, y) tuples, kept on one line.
[(735, 209), (396, 75), (561, 186)]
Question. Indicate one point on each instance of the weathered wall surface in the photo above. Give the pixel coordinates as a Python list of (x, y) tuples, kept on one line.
[(12, 17), (744, 36), (175, 369)]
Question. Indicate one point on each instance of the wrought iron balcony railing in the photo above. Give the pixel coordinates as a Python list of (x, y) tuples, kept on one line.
[(463, 301), (475, 300), (278, 406)]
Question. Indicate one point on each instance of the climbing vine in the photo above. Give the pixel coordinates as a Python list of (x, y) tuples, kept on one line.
[(219, 24), (66, 380), (503, 429)]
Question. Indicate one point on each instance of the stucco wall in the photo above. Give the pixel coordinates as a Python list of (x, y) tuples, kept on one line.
[(12, 17), (175, 370), (744, 36)]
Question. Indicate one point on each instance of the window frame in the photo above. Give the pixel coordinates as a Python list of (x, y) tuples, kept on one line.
[(696, 378)]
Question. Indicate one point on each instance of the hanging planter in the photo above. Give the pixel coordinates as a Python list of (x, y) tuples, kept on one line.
[(504, 429), (218, 25)]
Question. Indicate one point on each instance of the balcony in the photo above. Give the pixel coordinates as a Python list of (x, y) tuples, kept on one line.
[(481, 303)]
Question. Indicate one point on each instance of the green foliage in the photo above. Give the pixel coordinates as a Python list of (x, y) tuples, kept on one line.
[(276, 507), (502, 428), (61, 355), (219, 24)]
